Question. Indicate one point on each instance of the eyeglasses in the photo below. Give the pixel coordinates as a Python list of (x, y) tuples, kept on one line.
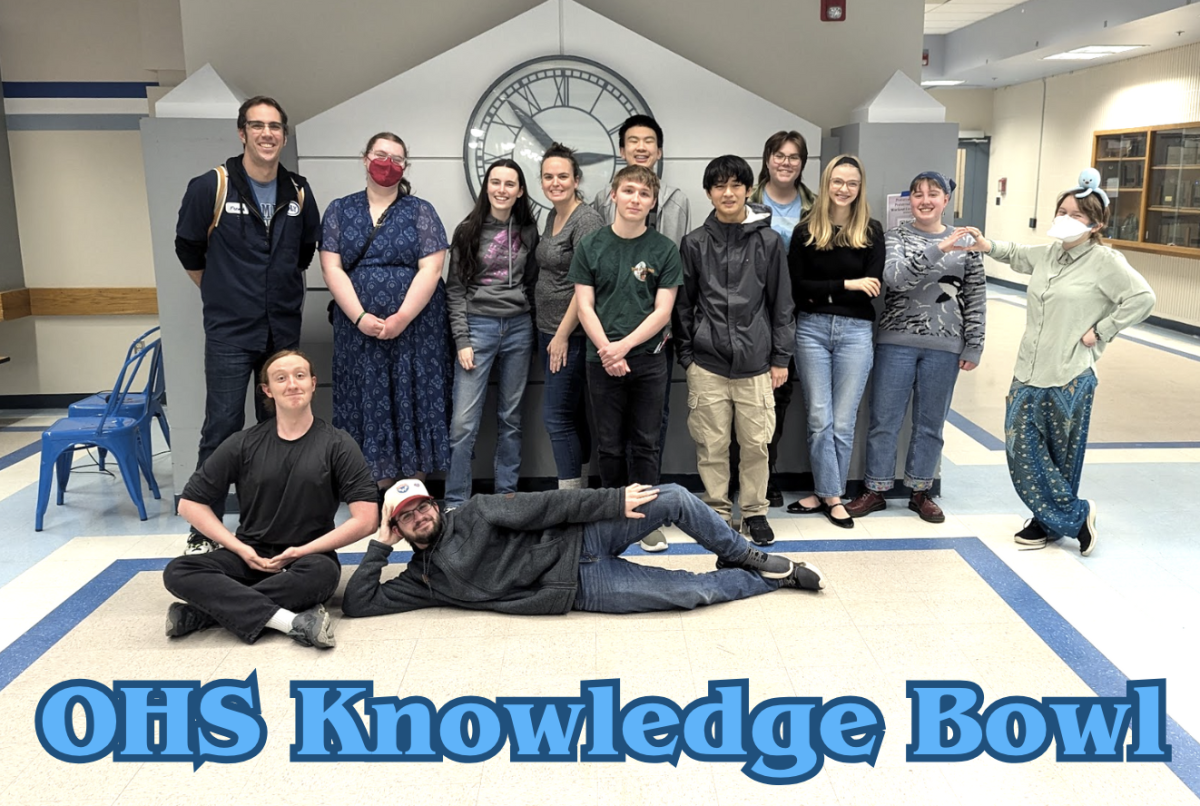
[(789, 159), (852, 184), (406, 518), (395, 158), (258, 125)]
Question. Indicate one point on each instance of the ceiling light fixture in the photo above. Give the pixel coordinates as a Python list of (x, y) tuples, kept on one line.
[(1092, 52), (942, 82)]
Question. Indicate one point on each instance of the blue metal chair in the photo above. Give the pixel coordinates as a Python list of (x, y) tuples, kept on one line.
[(95, 405), (111, 431)]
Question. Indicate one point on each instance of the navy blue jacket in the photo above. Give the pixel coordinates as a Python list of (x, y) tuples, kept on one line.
[(253, 285)]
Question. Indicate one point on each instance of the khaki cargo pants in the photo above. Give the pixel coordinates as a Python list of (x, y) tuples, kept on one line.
[(715, 405)]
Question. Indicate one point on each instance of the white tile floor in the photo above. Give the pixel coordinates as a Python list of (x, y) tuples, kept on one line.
[(888, 616)]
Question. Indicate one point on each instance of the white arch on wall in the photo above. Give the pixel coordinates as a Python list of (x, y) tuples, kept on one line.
[(702, 114)]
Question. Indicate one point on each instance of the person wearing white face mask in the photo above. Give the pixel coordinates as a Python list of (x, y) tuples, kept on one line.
[(1081, 295)]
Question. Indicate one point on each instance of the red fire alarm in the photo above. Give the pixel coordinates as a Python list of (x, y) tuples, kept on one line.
[(833, 10)]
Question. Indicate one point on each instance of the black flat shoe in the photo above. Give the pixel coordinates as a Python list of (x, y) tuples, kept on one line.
[(845, 523), (796, 508)]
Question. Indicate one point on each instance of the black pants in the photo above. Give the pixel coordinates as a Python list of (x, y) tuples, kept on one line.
[(241, 599), (628, 411)]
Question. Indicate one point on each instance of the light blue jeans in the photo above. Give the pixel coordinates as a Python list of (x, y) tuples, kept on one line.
[(929, 376), (833, 357), (608, 583), (508, 343)]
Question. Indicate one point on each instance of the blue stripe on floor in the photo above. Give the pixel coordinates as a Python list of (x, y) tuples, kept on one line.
[(975, 432), (1097, 671), (10, 459)]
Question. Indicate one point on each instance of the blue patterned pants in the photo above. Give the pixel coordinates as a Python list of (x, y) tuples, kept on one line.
[(1045, 437)]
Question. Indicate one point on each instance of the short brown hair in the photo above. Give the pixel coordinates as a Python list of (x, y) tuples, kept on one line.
[(260, 100), (774, 143), (269, 404), (637, 173), (1091, 206)]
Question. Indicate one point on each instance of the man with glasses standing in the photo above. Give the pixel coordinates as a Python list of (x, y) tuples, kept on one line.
[(247, 230)]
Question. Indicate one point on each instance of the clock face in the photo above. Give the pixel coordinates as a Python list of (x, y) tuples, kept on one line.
[(565, 99)]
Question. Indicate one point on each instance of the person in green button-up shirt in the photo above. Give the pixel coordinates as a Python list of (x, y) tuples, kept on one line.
[(1081, 295)]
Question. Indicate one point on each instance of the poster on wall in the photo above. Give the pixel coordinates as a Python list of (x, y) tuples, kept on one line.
[(899, 210)]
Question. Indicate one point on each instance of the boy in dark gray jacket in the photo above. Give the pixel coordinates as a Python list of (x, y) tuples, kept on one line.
[(735, 334), (552, 552)]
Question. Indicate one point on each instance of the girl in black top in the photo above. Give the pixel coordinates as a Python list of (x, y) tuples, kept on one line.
[(836, 263)]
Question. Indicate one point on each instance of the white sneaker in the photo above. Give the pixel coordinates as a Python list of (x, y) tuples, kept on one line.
[(655, 541)]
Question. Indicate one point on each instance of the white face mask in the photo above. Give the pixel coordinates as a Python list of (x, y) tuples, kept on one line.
[(1066, 228)]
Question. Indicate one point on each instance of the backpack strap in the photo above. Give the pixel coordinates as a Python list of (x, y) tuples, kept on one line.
[(219, 203), (299, 195)]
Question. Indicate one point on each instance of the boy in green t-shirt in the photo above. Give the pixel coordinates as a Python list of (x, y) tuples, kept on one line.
[(626, 277)]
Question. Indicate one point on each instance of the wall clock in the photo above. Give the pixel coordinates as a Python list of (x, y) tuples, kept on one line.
[(575, 101)]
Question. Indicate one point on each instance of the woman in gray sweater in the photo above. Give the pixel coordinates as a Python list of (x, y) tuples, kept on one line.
[(932, 326), (1081, 295), (489, 292)]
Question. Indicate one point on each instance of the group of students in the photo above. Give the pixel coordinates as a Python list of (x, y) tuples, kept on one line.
[(776, 280)]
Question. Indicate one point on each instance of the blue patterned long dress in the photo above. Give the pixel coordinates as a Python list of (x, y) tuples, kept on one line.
[(392, 396)]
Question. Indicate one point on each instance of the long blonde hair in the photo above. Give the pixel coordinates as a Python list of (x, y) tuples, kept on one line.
[(856, 233)]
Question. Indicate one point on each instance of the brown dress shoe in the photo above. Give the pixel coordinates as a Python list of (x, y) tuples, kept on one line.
[(866, 503), (923, 505)]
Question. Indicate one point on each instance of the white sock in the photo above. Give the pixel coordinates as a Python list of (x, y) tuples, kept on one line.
[(282, 620), (570, 484)]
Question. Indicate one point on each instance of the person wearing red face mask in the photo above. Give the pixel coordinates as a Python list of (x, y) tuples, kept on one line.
[(382, 251)]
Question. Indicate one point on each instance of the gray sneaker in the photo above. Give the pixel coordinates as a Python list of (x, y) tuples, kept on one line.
[(768, 566), (313, 627), (199, 544), (183, 619), (655, 541), (804, 576)]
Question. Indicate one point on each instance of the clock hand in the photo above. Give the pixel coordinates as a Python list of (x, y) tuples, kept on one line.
[(539, 134), (591, 158)]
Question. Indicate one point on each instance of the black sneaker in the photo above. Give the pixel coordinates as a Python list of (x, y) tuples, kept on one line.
[(804, 576), (768, 566), (774, 495), (758, 530), (1032, 535), (183, 619), (1087, 533), (313, 627), (199, 544)]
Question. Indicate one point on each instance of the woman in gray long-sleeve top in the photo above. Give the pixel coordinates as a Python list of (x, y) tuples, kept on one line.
[(1081, 295), (931, 327), (489, 292)]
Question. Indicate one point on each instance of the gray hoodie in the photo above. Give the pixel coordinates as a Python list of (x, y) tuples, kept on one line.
[(504, 283)]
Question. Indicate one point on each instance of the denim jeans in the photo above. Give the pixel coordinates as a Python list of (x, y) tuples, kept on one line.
[(563, 409), (610, 584), (929, 375), (628, 412), (833, 357), (506, 342), (227, 370)]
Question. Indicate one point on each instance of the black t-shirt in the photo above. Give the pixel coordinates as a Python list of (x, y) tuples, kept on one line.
[(288, 491)]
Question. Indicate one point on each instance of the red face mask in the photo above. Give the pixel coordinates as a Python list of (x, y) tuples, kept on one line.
[(385, 172)]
